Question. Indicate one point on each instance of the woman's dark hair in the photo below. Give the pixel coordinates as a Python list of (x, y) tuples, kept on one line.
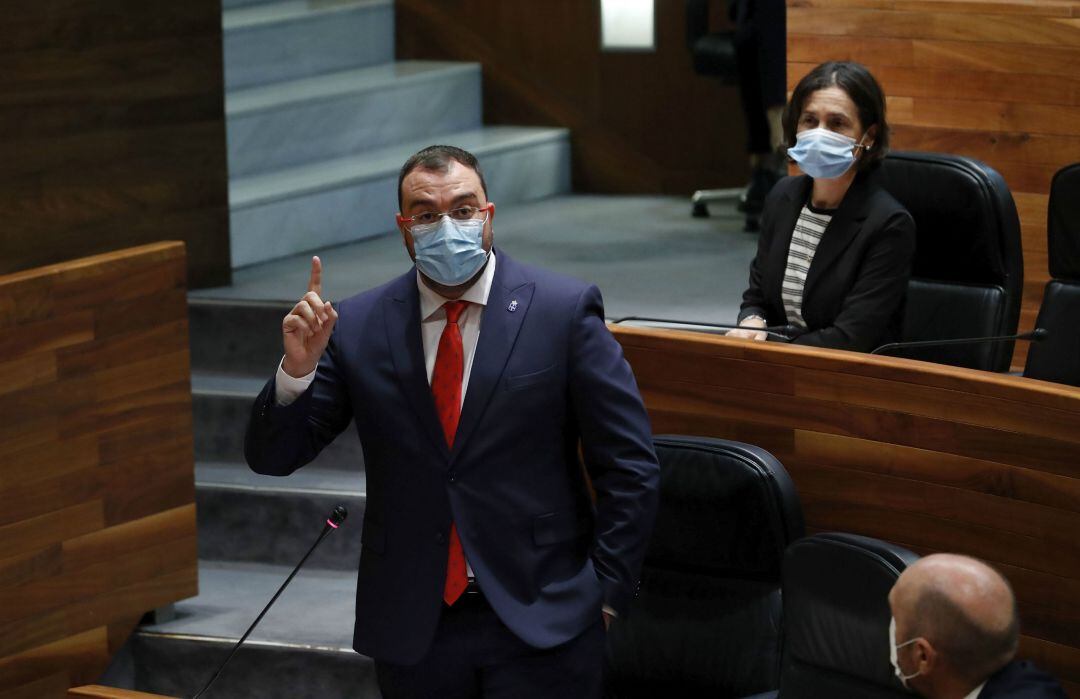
[(864, 91)]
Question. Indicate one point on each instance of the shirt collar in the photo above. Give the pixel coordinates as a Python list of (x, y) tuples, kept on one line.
[(973, 694), (431, 302)]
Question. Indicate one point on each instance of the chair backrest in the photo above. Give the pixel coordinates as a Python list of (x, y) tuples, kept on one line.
[(1063, 224), (836, 617), (707, 615), (1057, 358), (967, 275)]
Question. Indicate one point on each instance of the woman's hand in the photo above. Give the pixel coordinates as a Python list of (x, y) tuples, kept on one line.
[(748, 333)]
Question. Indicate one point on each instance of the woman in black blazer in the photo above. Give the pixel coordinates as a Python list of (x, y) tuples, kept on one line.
[(835, 249)]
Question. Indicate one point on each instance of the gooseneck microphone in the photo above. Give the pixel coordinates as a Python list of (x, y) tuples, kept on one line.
[(332, 522), (1036, 335), (783, 333)]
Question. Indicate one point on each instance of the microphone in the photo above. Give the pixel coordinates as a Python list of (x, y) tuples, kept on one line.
[(782, 333), (1036, 335), (332, 522)]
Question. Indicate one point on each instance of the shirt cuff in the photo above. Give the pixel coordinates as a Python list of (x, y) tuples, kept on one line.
[(286, 388), (610, 612)]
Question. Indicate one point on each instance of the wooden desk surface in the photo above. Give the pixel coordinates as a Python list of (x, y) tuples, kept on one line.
[(930, 457)]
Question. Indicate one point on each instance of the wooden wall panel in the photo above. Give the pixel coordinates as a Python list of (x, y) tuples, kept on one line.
[(995, 80), (112, 130), (98, 523), (930, 457), (639, 121)]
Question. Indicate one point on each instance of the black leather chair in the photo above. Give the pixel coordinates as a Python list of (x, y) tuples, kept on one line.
[(1057, 358), (706, 621), (836, 617), (968, 272)]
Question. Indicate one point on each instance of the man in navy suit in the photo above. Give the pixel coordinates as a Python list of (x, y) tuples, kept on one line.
[(955, 632), (511, 478)]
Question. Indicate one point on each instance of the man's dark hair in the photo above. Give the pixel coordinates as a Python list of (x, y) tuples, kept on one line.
[(971, 647), (864, 91), (438, 158)]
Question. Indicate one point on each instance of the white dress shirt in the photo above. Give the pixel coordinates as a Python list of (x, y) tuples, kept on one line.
[(974, 694)]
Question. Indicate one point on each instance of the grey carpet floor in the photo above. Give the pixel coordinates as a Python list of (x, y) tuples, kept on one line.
[(646, 253)]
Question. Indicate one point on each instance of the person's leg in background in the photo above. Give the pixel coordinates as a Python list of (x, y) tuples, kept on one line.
[(761, 56)]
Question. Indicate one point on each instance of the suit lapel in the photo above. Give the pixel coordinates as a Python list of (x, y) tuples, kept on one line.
[(842, 229), (499, 328), (402, 314)]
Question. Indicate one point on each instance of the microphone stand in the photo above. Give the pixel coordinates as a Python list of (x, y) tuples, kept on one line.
[(333, 522), (780, 332), (1036, 335)]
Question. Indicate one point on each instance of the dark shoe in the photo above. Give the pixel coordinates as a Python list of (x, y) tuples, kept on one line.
[(762, 180)]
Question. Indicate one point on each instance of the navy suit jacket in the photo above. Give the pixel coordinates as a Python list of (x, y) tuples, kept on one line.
[(855, 290), (547, 376), (1020, 679)]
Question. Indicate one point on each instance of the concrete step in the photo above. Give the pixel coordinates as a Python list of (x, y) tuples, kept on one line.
[(302, 648), (221, 404), (271, 42), (339, 201), (236, 336), (345, 112), (244, 516)]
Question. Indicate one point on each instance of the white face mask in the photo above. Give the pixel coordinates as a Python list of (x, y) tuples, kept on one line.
[(893, 648)]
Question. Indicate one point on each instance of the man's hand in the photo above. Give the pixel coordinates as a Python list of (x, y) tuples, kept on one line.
[(748, 333), (607, 620), (306, 329)]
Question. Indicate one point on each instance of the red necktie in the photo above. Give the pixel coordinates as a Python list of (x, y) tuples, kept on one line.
[(446, 387)]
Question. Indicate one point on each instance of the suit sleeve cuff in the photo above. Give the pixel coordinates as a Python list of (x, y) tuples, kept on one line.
[(287, 388)]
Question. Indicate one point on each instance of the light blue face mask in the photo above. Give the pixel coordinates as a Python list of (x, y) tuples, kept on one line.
[(450, 252), (823, 154)]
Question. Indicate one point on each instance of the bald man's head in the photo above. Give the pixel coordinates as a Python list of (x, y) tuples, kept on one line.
[(963, 607)]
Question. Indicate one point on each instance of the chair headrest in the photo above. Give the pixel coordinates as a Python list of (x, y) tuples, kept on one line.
[(1063, 224), (726, 508), (965, 218), (836, 608)]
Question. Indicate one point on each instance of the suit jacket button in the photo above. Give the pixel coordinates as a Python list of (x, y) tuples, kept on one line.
[(452, 477), (440, 538)]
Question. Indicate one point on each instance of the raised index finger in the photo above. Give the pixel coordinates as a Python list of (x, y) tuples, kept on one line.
[(315, 281)]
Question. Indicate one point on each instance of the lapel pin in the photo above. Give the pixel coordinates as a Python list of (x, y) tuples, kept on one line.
[(513, 306)]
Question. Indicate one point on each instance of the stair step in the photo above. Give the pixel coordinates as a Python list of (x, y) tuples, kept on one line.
[(338, 201), (302, 648), (271, 42), (221, 406), (236, 336), (327, 116), (244, 516)]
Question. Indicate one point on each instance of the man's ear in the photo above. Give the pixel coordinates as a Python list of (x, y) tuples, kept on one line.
[(926, 658)]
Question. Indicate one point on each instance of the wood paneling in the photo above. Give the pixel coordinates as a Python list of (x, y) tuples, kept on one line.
[(639, 121), (994, 80), (98, 523), (929, 457), (112, 130), (109, 693)]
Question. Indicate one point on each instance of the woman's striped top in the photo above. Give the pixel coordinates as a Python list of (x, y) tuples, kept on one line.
[(804, 242)]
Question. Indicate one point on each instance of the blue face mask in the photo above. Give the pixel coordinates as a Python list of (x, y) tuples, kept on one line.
[(823, 154), (450, 252)]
